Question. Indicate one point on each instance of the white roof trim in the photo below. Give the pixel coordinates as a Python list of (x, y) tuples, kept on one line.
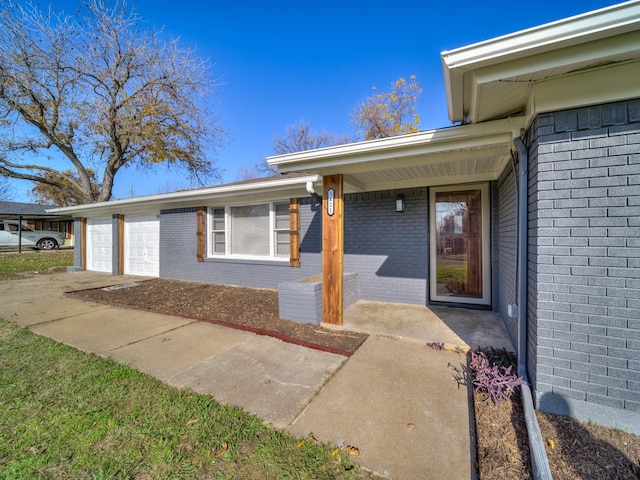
[(587, 27), (202, 194), (464, 137)]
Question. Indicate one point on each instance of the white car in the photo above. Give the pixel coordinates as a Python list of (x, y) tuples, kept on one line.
[(42, 239)]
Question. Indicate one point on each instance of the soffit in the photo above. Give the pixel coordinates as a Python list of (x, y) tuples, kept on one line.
[(427, 170), (493, 79), (495, 97)]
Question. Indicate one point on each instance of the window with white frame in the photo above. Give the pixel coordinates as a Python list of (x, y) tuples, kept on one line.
[(218, 240), (250, 231)]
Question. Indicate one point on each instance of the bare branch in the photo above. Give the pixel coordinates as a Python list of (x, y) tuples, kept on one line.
[(6, 190), (298, 138), (100, 90)]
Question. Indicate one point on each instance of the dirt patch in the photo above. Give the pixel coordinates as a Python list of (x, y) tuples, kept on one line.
[(503, 448), (580, 450), (586, 450), (249, 309), (576, 450)]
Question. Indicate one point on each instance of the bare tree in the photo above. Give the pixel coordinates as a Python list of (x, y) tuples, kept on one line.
[(173, 185), (391, 113), (6, 189), (99, 91), (259, 170), (297, 138)]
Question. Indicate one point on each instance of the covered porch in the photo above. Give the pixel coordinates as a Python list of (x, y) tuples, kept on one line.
[(380, 202), (451, 327)]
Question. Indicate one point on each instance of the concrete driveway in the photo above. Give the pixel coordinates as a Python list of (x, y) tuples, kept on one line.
[(395, 399)]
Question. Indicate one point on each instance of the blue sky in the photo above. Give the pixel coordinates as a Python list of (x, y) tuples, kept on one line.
[(281, 62)]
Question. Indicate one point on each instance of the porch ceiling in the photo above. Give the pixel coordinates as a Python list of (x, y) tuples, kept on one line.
[(463, 154), (426, 170)]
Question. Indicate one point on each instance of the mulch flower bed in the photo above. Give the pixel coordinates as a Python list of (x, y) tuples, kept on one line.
[(251, 309)]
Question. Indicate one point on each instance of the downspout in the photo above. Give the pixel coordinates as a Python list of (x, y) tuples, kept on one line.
[(539, 460)]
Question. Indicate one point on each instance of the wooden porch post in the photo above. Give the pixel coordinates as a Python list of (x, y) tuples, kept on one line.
[(332, 249)]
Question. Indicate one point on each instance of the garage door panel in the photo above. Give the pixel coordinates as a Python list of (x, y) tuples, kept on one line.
[(99, 245), (142, 245)]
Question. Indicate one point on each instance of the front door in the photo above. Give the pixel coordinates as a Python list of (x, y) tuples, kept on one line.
[(459, 253)]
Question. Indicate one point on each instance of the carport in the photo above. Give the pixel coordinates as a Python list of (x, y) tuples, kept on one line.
[(36, 216)]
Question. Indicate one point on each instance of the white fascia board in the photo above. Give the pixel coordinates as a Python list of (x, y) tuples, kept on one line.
[(464, 137), (580, 29), (627, 44), (176, 199)]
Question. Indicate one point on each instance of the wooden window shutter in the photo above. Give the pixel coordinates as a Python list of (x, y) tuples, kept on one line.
[(294, 232), (200, 212)]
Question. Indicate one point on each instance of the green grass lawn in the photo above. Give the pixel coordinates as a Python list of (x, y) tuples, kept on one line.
[(67, 414), (12, 263), (451, 272)]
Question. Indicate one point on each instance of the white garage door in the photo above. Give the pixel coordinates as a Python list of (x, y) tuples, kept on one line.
[(99, 245), (142, 245)]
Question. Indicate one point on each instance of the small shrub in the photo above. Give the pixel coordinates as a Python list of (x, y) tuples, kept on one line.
[(493, 373)]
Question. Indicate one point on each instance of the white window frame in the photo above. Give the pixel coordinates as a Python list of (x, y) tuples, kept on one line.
[(486, 244), (227, 232)]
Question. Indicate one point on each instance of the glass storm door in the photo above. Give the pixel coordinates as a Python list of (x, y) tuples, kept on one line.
[(460, 268)]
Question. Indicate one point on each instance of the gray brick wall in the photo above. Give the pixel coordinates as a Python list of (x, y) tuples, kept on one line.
[(78, 247), (387, 249), (584, 261), (302, 301), (178, 256)]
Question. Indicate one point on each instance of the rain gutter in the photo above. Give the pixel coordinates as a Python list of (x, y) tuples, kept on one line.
[(539, 460)]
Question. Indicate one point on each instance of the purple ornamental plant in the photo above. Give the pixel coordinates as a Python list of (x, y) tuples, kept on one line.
[(493, 373)]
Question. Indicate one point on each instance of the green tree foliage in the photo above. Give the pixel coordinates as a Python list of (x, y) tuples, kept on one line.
[(391, 113), (100, 91)]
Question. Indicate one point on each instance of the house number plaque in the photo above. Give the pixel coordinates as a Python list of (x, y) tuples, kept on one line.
[(330, 197)]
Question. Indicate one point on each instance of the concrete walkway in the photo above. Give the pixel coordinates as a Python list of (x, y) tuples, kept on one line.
[(395, 400)]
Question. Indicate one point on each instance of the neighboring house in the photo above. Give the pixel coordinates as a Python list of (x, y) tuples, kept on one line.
[(530, 207), (37, 217)]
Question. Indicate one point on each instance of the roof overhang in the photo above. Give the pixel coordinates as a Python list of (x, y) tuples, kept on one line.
[(233, 194), (461, 154), (492, 79), (28, 211)]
